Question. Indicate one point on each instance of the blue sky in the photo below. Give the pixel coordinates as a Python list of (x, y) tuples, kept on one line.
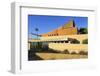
[(47, 23)]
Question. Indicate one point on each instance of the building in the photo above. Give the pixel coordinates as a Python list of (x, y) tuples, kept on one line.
[(67, 29), (62, 38)]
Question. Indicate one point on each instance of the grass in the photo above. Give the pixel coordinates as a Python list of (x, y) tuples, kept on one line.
[(54, 56)]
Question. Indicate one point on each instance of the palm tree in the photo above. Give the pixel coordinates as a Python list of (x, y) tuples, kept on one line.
[(36, 29)]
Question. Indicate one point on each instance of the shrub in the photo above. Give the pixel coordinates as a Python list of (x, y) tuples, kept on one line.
[(73, 52), (85, 41), (83, 53), (66, 52), (52, 50), (75, 41)]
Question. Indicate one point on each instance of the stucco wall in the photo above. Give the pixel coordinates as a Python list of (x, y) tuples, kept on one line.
[(79, 37), (61, 31), (71, 47)]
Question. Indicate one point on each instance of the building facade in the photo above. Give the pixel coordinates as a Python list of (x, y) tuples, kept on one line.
[(62, 38), (67, 29)]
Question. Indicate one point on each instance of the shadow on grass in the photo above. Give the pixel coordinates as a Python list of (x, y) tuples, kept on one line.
[(32, 56), (32, 53)]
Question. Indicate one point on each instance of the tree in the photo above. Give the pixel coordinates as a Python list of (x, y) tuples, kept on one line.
[(85, 41), (36, 29), (83, 31)]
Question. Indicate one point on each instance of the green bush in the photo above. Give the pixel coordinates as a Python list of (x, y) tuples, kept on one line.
[(53, 51), (83, 53), (85, 41), (66, 52), (75, 41), (83, 31), (73, 52)]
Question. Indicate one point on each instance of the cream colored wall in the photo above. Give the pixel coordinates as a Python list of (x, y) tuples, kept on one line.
[(63, 46), (79, 37), (71, 47)]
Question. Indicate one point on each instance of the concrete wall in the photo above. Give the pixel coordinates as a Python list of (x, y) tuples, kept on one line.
[(79, 37), (71, 47), (61, 31), (67, 29), (63, 46)]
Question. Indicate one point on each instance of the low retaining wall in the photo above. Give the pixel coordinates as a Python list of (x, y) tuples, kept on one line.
[(70, 47)]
